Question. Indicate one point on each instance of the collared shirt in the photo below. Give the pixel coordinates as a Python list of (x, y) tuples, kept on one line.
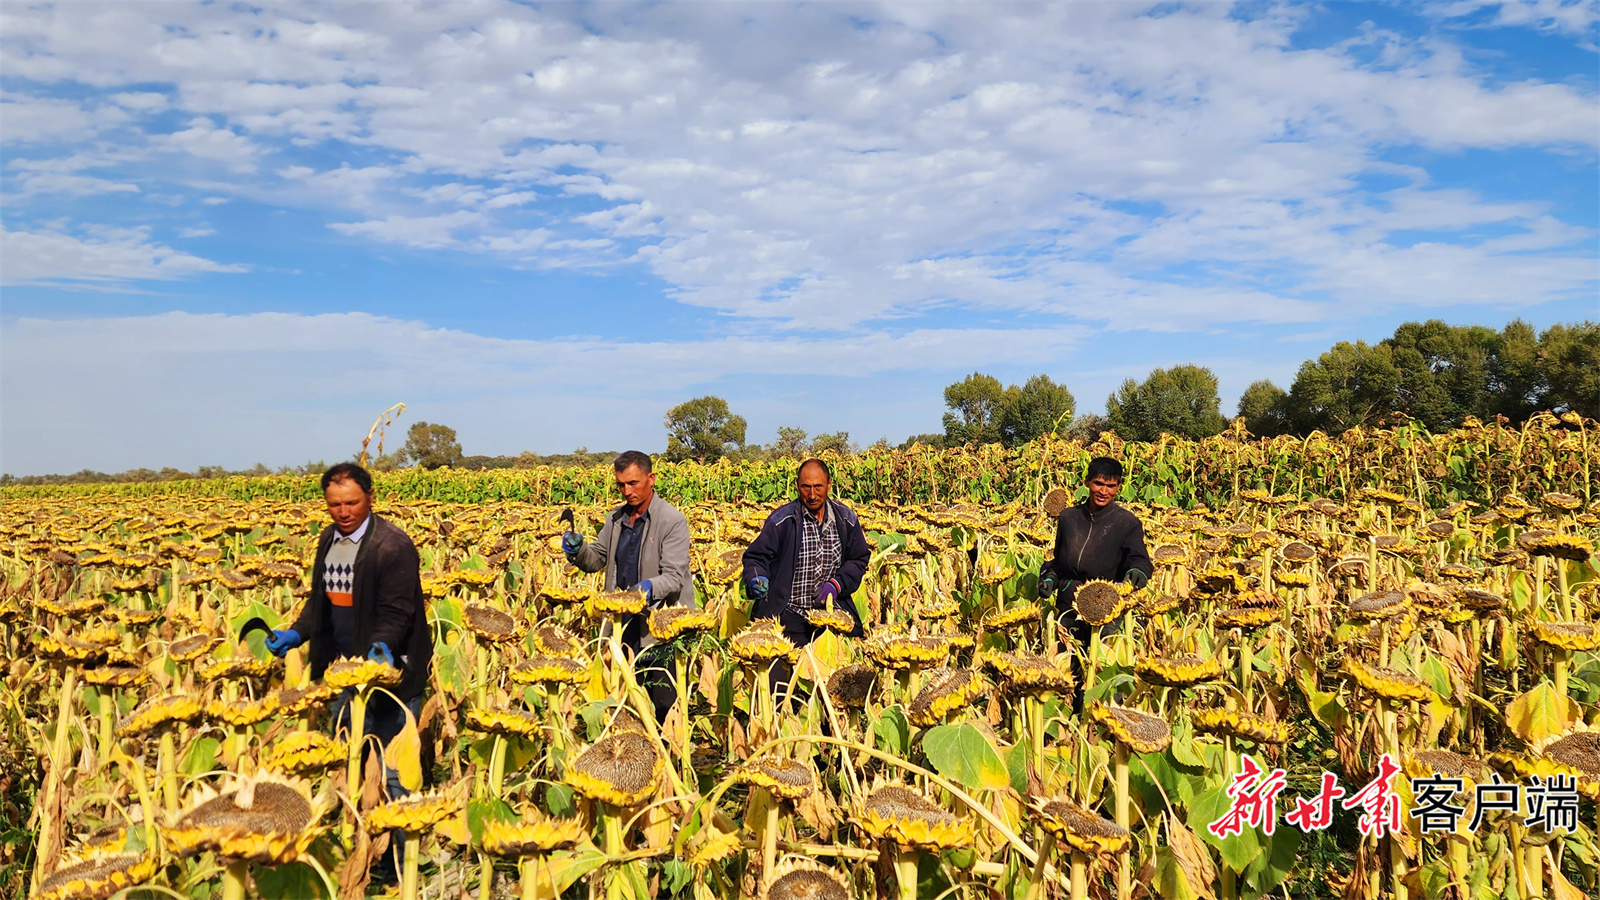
[(338, 581), (629, 540), (819, 557)]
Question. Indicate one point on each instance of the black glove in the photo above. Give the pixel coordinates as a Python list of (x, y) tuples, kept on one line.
[(1137, 577), (1047, 584)]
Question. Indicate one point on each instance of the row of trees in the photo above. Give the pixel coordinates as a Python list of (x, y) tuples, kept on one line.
[(1433, 372), (1437, 374)]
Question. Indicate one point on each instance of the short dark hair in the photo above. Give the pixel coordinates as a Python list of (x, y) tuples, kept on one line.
[(1104, 467), (813, 461), (631, 458), (348, 472)]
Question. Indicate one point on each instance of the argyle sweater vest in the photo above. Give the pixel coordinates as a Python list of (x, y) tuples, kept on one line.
[(338, 579)]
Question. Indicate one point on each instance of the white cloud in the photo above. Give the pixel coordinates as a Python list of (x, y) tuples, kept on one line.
[(823, 167), (104, 257), (425, 232), (1577, 17), (196, 232)]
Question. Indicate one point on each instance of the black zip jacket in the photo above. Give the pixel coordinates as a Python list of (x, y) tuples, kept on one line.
[(1104, 545), (387, 600), (776, 549)]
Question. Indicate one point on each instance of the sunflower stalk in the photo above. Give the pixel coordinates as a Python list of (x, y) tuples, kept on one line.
[(234, 880)]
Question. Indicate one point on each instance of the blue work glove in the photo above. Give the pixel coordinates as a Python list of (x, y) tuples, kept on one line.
[(1047, 584), (644, 588), (756, 587), (827, 592), (1137, 577), (571, 543), (380, 653), (283, 641)]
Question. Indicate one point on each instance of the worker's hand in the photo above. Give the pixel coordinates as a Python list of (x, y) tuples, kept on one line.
[(380, 653), (1137, 577), (826, 592), (571, 543), (756, 587), (284, 640), (1047, 584), (644, 588)]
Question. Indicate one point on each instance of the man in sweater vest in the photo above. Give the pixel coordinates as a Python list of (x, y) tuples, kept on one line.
[(366, 601)]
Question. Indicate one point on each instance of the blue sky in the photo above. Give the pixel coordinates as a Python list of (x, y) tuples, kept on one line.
[(236, 233)]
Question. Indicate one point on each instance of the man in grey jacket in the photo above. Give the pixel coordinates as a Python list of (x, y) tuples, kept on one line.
[(643, 545)]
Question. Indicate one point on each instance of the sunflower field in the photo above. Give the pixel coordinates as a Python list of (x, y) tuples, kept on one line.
[(1366, 666)]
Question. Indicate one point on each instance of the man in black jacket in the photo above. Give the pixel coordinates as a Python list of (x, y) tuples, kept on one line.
[(1096, 539), (811, 554), (366, 601)]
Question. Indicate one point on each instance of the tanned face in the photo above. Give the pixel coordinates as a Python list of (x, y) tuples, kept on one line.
[(1102, 491), (348, 504), (814, 489), (636, 486)]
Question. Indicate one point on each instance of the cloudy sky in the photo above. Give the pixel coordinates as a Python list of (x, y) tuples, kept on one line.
[(235, 233)]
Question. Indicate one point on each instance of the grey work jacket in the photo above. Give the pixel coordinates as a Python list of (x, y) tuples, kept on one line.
[(663, 557)]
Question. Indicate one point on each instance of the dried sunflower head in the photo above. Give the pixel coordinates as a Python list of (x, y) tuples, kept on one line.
[(1170, 555), (622, 769), (835, 620), (789, 779), (532, 835), (416, 813), (898, 813), (243, 713), (1567, 635), (1541, 542), (549, 670), (1178, 671), (1425, 763), (1024, 674), (714, 847), (1056, 501), (117, 676), (938, 608), (490, 624), (1378, 605), (234, 667), (802, 879), (1142, 731), (761, 643), (898, 651), (350, 671), (565, 596), (557, 641), (1388, 683), (1084, 831), (1240, 724), (1021, 614), (191, 648), (159, 712), (669, 622), (267, 819), (296, 701), (97, 877), (513, 722), (1562, 501), (849, 686), (304, 752), (110, 839), (1297, 553), (1098, 602), (946, 691), (617, 603)]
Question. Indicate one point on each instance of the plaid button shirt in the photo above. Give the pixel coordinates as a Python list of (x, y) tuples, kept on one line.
[(819, 560)]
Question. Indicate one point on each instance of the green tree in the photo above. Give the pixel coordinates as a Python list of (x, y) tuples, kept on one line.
[(974, 404), (1350, 385), (1088, 427), (1265, 408), (1515, 381), (703, 428), (838, 442), (1181, 401), (1569, 357), (932, 440), (431, 446), (1037, 407), (1443, 371), (791, 442)]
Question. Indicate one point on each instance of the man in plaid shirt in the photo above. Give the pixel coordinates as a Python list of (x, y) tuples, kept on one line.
[(810, 555)]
